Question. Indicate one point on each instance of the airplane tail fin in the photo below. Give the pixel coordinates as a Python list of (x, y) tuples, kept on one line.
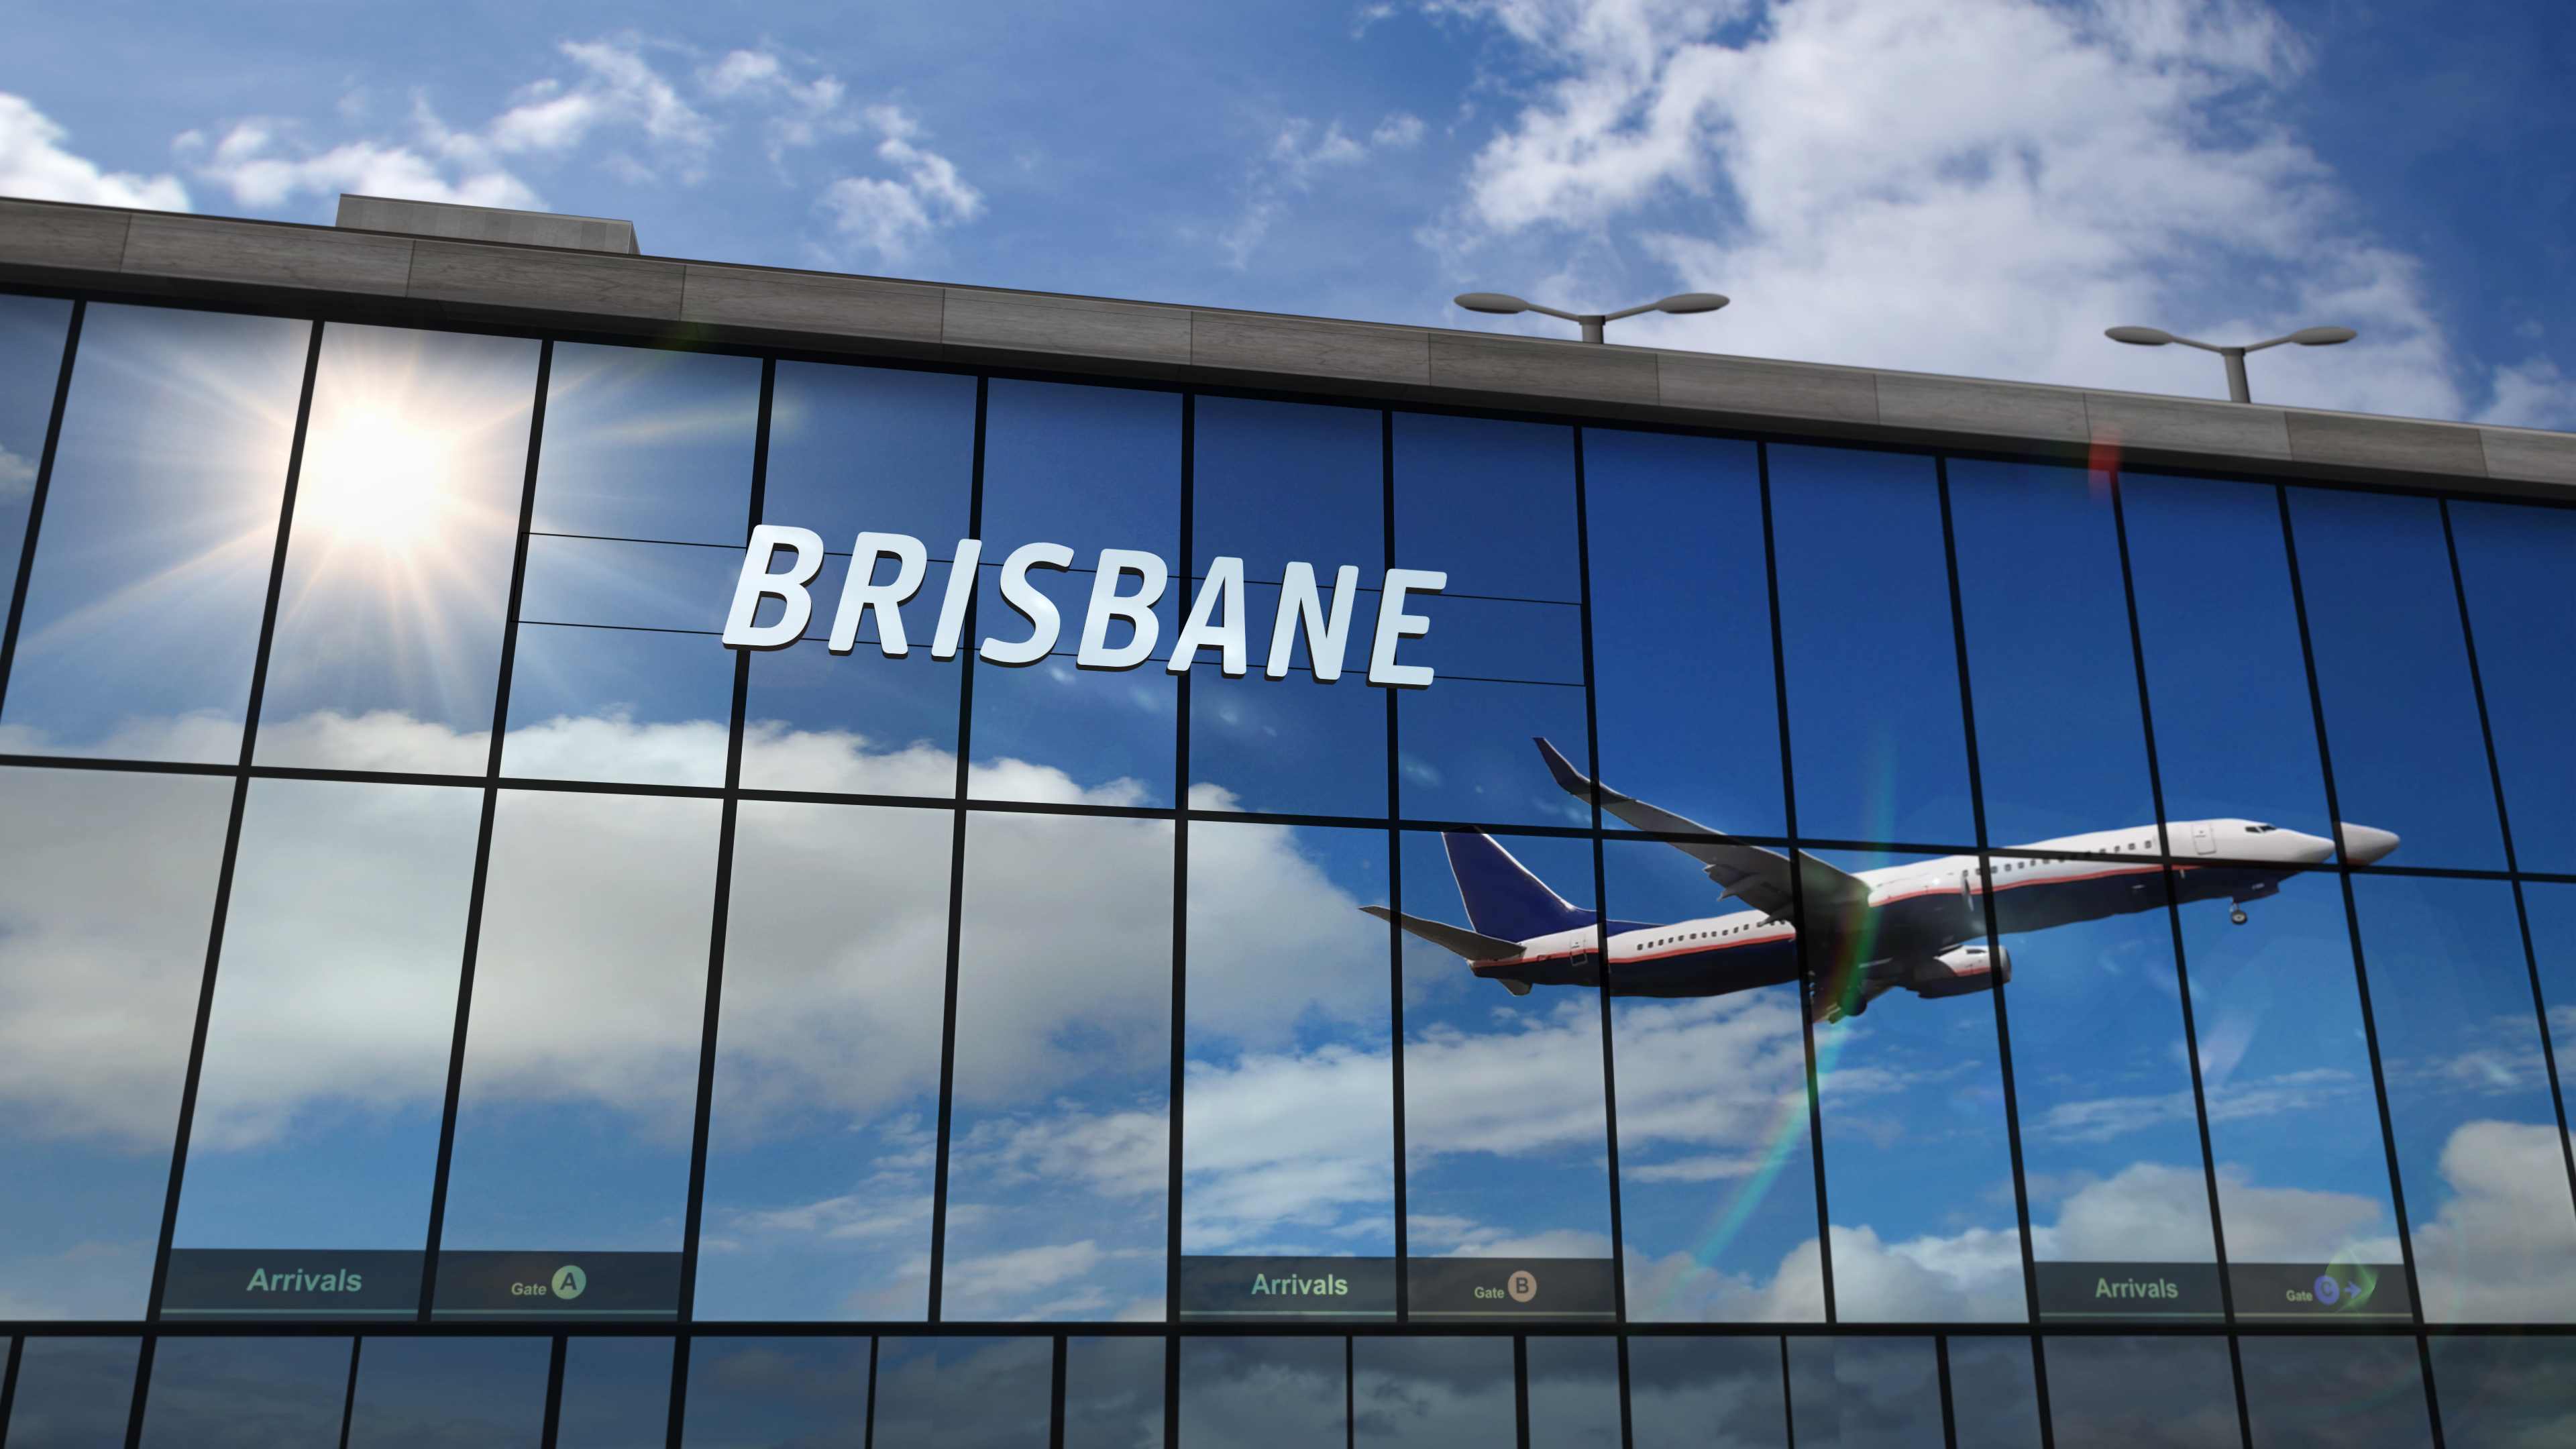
[(1503, 899)]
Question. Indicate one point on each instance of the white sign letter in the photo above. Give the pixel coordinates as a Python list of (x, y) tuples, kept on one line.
[(1136, 608), (859, 595), (1298, 604), (1224, 586), (961, 592), (788, 588), (1044, 622), (1394, 624)]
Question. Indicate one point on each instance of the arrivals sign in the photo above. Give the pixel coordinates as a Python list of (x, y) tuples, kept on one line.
[(1126, 584)]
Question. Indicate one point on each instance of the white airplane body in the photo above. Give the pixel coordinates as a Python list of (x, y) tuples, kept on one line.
[(1922, 926)]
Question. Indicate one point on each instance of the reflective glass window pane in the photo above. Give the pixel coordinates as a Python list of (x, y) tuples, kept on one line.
[(1876, 745), (1113, 1393), (74, 1393), (31, 358), (819, 1156), (1258, 1393), (278, 1393), (2060, 747), (470, 1393), (2478, 1145), (1288, 1138), (851, 449), (2150, 1392), (1059, 1160), (2513, 566), (1506, 1136), (1432, 1393), (963, 1393), (2350, 1393), (581, 1057), (643, 492), (1491, 505), (1918, 1166), (617, 1393), (1574, 1392), (2552, 911), (1681, 627), (1087, 468), (2109, 1130), (151, 571), (1274, 484), (1717, 1202), (1994, 1392), (771, 1393), (1864, 1393), (2376, 573), (1694, 1393), (335, 1007), (2236, 737), (2293, 1123), (2505, 1392), (389, 620), (107, 888)]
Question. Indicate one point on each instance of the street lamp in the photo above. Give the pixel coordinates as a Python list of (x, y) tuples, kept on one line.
[(2236, 389), (1591, 323)]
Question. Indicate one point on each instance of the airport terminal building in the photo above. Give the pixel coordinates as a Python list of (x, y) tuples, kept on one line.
[(599, 851)]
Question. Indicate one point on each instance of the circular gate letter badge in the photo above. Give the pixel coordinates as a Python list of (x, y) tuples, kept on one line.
[(1523, 1286), (570, 1280)]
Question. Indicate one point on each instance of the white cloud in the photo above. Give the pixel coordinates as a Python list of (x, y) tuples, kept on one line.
[(33, 165), (1293, 165), (17, 476), (1975, 186), (891, 218)]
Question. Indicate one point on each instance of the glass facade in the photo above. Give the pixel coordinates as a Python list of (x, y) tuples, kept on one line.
[(1139, 916)]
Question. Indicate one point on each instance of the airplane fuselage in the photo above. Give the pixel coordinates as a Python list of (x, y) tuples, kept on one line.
[(1923, 925)]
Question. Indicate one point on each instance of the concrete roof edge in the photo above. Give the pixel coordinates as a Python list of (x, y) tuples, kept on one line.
[(1165, 341)]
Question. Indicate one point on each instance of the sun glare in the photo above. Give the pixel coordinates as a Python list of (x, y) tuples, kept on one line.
[(375, 478)]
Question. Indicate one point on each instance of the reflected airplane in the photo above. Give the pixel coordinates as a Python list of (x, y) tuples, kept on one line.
[(1920, 926)]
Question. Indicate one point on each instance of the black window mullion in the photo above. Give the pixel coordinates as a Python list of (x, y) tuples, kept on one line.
[(2173, 905), (1808, 986), (1173, 1104), (2512, 861), (36, 517), (548, 1434), (693, 1221), (2351, 912), (1994, 940), (1395, 900), (956, 894), (473, 946), (1600, 912), (232, 839)]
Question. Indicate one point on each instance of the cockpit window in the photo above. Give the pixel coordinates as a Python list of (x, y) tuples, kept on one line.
[(2260, 829)]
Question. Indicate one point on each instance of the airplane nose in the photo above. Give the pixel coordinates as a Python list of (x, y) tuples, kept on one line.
[(2362, 844)]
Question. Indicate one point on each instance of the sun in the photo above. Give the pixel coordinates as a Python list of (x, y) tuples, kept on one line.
[(375, 477)]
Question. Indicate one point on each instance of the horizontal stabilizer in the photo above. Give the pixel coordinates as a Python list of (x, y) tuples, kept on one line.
[(1750, 873), (1455, 938)]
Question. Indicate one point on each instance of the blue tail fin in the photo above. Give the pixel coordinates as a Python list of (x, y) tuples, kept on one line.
[(1503, 898)]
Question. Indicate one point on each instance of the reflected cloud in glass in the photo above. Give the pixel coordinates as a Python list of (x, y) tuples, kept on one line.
[(821, 1151), (325, 1071), (107, 887)]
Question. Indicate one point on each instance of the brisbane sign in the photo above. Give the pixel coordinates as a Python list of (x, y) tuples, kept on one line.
[(1126, 584)]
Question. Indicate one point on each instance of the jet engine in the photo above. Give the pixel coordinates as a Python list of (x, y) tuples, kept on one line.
[(1960, 970)]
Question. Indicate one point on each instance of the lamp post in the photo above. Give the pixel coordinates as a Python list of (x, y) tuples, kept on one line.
[(2236, 389), (1504, 306)]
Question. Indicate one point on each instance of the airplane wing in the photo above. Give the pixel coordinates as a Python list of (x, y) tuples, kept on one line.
[(1758, 877), (1456, 938)]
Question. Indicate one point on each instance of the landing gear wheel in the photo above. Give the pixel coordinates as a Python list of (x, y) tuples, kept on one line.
[(2237, 916)]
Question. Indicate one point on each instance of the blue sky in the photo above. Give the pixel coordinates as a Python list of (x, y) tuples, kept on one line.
[(1973, 187)]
